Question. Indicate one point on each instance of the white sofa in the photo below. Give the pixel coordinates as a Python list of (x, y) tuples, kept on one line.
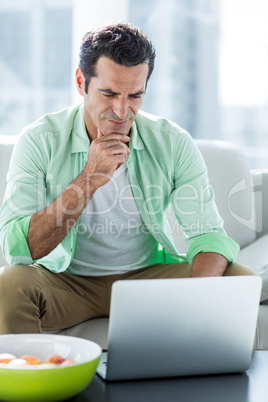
[(242, 199)]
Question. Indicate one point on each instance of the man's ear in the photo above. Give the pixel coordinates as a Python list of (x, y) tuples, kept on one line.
[(80, 80)]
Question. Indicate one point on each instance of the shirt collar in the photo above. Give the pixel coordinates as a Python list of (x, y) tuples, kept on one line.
[(80, 140), (135, 139)]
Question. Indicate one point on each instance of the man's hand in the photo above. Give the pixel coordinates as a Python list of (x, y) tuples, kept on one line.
[(106, 153), (208, 264)]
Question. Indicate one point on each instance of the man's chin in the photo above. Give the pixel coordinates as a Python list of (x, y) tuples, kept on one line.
[(117, 130)]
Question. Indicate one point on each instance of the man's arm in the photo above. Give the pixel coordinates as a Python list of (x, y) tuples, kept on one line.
[(195, 209), (49, 226), (208, 264)]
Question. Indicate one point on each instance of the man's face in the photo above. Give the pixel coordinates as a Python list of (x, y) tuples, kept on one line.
[(114, 96)]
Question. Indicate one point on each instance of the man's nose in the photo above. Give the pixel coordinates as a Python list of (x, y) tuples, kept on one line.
[(120, 108)]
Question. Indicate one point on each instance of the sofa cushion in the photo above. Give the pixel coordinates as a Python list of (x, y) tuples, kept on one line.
[(95, 330), (256, 256)]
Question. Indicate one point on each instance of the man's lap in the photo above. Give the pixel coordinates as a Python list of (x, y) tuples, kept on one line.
[(64, 299)]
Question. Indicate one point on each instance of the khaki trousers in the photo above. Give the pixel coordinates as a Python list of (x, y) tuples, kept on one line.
[(33, 299)]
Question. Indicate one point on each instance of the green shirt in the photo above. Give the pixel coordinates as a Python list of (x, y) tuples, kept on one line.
[(164, 165)]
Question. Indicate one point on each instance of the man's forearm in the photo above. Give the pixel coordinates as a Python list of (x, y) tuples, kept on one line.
[(49, 226), (208, 264)]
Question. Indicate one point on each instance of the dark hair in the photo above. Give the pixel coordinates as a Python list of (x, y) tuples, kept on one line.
[(123, 43)]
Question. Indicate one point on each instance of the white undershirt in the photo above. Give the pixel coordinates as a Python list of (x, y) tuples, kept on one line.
[(112, 237)]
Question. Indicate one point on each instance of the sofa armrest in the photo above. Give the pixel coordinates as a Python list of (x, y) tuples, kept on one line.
[(259, 183)]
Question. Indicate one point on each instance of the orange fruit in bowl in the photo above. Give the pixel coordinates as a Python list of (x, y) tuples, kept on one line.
[(55, 359), (31, 359), (6, 357)]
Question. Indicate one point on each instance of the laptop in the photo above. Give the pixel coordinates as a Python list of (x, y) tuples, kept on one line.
[(181, 327)]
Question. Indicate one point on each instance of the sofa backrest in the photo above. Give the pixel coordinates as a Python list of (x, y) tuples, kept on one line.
[(229, 175), (6, 148)]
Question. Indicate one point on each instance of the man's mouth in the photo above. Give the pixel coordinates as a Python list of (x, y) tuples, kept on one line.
[(118, 122)]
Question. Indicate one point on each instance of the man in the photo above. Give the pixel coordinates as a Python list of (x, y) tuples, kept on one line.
[(88, 192)]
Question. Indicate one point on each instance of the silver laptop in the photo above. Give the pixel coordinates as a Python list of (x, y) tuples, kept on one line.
[(181, 327)]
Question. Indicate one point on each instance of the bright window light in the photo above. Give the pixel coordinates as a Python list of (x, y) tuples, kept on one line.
[(244, 53)]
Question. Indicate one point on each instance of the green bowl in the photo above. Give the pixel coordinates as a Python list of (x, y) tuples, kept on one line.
[(47, 384)]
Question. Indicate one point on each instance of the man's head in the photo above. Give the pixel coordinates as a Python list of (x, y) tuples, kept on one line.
[(116, 62), (122, 43)]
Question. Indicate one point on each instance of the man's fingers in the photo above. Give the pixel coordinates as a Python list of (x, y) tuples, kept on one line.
[(112, 144), (100, 133), (113, 136)]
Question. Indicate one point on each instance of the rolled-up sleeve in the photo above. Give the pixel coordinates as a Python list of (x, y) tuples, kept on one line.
[(14, 241), (25, 195), (213, 243)]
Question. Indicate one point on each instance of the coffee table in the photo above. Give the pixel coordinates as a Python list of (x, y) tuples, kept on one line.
[(251, 386)]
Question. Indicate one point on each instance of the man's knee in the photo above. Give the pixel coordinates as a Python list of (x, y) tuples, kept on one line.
[(15, 274), (15, 278), (20, 299), (236, 269)]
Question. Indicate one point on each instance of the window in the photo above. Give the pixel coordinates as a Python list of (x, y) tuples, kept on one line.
[(211, 73), (35, 60)]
